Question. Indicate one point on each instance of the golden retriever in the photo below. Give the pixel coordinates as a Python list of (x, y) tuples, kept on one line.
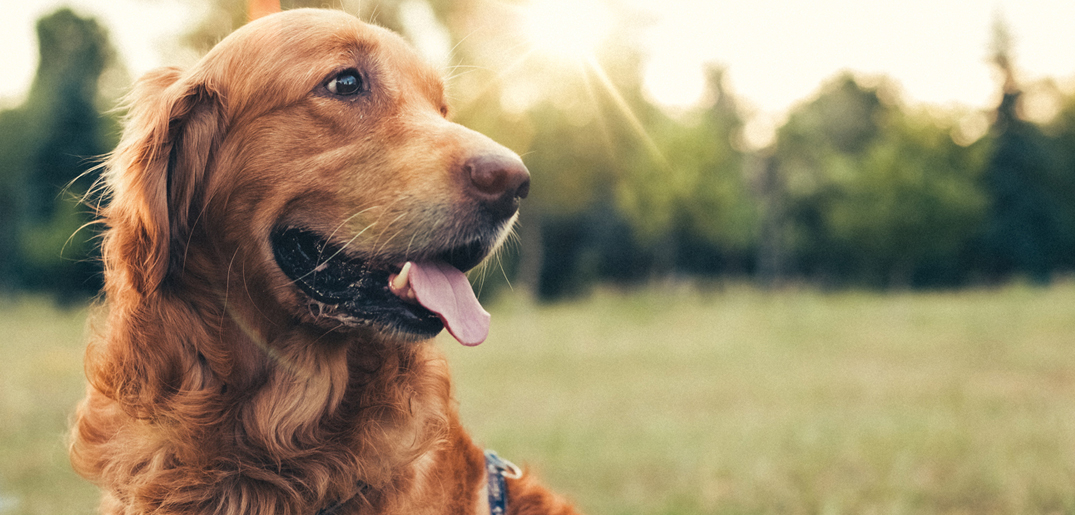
[(288, 225)]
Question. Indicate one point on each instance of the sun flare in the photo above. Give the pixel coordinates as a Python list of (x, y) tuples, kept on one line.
[(573, 32), (566, 29)]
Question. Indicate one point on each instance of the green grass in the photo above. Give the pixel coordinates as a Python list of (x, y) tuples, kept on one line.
[(732, 401), (745, 402), (41, 380)]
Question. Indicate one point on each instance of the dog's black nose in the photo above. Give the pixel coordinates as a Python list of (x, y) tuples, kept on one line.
[(499, 182)]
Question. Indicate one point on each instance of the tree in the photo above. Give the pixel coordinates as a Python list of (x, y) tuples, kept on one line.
[(1062, 132), (913, 206), (47, 159), (692, 202), (1026, 218), (814, 155), (875, 194), (15, 141)]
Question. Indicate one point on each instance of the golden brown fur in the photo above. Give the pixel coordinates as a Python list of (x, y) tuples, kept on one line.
[(215, 385)]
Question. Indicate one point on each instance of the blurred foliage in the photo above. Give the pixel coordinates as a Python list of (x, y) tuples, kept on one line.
[(48, 148), (1030, 226), (856, 189), (875, 193)]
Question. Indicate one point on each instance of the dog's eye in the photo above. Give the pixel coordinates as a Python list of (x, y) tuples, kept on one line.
[(346, 83)]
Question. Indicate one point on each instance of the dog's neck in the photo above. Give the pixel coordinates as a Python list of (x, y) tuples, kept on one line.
[(344, 400)]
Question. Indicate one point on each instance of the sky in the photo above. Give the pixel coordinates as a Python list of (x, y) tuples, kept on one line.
[(777, 53), (142, 31)]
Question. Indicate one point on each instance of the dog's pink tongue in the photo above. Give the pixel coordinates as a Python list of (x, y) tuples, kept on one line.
[(444, 290)]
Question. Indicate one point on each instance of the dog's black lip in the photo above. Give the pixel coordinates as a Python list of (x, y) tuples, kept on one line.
[(465, 257), (356, 287)]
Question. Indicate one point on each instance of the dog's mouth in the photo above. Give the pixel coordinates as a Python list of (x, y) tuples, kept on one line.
[(414, 299)]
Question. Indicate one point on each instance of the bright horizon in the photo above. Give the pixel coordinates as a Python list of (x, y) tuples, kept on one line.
[(776, 53)]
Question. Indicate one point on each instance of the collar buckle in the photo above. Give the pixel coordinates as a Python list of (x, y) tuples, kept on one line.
[(498, 470)]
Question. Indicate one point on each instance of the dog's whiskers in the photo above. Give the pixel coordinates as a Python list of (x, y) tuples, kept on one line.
[(227, 295), (343, 223), (323, 260), (384, 210), (410, 244), (377, 242)]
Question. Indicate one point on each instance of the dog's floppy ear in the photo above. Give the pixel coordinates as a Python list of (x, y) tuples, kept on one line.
[(154, 176)]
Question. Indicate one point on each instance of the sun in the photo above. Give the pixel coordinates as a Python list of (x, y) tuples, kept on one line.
[(573, 31), (566, 29)]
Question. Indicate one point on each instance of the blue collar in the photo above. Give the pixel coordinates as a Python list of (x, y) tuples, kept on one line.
[(498, 470)]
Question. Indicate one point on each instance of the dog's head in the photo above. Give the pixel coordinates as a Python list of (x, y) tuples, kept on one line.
[(298, 168)]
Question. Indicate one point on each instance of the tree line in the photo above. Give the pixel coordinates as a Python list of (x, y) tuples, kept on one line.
[(857, 188)]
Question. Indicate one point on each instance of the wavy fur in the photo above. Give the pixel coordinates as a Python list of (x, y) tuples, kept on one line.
[(212, 387)]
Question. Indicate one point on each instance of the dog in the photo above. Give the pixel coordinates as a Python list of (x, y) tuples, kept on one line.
[(287, 225)]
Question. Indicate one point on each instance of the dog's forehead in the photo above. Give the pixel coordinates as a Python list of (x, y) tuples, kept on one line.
[(287, 54)]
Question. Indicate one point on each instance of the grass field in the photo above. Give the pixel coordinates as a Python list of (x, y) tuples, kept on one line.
[(733, 401)]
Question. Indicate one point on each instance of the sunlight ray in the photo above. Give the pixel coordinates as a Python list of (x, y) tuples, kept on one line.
[(629, 114), (495, 81)]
